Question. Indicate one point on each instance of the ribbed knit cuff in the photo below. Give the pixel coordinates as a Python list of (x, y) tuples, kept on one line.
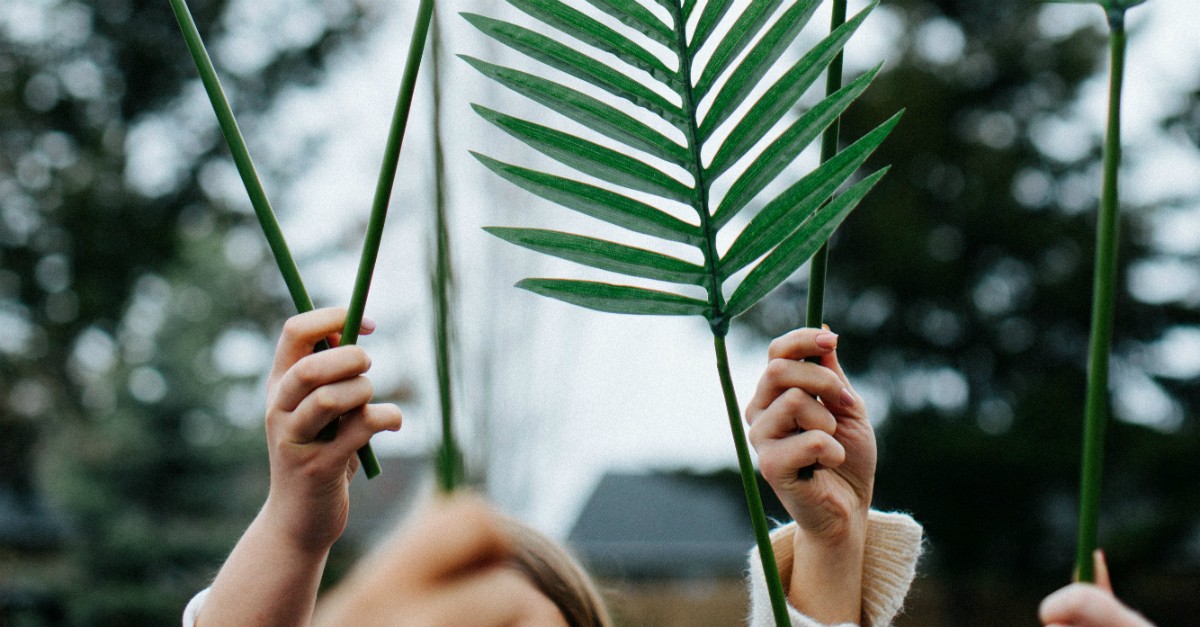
[(889, 565), (893, 546)]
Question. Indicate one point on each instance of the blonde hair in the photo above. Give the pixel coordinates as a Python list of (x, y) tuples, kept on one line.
[(557, 575)]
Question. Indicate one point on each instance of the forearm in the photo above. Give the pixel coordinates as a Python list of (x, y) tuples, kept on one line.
[(825, 582), (267, 580)]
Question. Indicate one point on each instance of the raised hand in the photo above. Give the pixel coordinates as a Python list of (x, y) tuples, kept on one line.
[(806, 415)]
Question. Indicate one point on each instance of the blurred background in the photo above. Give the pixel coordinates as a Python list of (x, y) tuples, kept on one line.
[(139, 306)]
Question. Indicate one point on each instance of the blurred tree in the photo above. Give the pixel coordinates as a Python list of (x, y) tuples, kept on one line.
[(126, 302), (962, 290)]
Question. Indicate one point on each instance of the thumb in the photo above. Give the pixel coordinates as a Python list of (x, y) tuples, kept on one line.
[(1101, 567)]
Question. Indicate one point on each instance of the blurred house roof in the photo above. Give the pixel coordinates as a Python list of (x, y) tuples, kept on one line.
[(668, 525)]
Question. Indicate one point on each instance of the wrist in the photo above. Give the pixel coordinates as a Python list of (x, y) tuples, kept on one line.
[(825, 581), (290, 534)]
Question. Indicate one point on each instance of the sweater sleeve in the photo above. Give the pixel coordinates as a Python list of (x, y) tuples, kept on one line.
[(893, 545), (192, 611)]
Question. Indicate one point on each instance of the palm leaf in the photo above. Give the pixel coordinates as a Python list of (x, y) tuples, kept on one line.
[(579, 65), (604, 255), (745, 27), (638, 18), (783, 234), (798, 246), (602, 56), (589, 157), (714, 11), (759, 61), (588, 30), (588, 111), (783, 95), (616, 298), (781, 152), (598, 202), (780, 216)]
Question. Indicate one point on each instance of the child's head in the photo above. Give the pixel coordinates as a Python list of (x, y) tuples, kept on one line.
[(557, 575)]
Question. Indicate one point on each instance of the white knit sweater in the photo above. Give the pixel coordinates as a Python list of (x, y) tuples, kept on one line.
[(889, 566)]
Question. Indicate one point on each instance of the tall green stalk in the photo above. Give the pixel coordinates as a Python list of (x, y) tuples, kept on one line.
[(449, 458), (758, 515), (819, 263), (241, 157), (1096, 411), (383, 194), (262, 207)]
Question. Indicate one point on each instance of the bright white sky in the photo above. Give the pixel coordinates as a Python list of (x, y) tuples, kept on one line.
[(573, 393)]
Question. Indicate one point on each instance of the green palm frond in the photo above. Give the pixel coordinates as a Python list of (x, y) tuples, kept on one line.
[(658, 121), (667, 116)]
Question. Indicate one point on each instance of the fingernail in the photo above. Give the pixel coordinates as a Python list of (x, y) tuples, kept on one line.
[(827, 339), (367, 325), (846, 398)]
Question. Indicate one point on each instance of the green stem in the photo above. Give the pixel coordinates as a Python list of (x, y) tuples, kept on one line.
[(241, 158), (1102, 311), (449, 459), (383, 194), (819, 264), (829, 147), (720, 327), (758, 516)]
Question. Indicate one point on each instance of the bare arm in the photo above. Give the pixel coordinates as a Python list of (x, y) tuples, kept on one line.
[(271, 576)]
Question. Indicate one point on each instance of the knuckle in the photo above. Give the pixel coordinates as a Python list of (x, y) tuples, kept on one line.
[(778, 369), (775, 348), (357, 357), (366, 388), (325, 400), (306, 372), (772, 468), (792, 401), (293, 328)]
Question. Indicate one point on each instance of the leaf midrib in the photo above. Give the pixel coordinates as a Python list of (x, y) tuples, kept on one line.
[(716, 298)]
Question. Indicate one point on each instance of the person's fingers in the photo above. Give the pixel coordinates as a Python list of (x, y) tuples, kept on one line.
[(1085, 605), (802, 343), (302, 332), (317, 370), (459, 533), (793, 411), (358, 425), (1101, 569), (783, 374), (779, 460), (324, 405)]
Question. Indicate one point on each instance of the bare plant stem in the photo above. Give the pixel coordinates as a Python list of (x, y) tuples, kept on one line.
[(383, 194), (719, 324), (1102, 310), (819, 264), (829, 148), (449, 458), (758, 516), (241, 158)]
